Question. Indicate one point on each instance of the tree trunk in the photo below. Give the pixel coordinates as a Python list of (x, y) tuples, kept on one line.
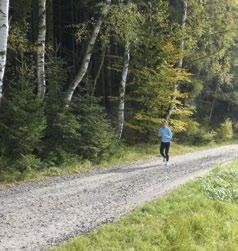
[(172, 105), (213, 103), (88, 53), (121, 109), (4, 28), (180, 63), (108, 81), (104, 48), (41, 48), (50, 22), (72, 37), (108, 70)]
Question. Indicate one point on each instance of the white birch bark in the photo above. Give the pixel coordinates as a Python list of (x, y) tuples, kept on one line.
[(88, 53), (4, 28), (121, 108), (41, 48), (180, 63)]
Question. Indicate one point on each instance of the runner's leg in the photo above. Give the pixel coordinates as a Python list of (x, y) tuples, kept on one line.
[(162, 149), (167, 147)]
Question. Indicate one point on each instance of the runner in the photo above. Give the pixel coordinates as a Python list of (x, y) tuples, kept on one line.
[(166, 135)]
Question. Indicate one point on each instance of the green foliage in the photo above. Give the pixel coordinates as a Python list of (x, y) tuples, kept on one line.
[(154, 74), (152, 98), (73, 164), (125, 21), (78, 131), (62, 131), (28, 163), (26, 167), (22, 120), (196, 134), (222, 186), (225, 132), (207, 83), (61, 138), (211, 59), (24, 10), (97, 138), (18, 42)]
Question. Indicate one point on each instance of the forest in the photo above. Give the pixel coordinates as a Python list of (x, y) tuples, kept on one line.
[(81, 78)]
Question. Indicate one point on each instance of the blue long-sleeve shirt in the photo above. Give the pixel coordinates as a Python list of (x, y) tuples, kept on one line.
[(165, 134)]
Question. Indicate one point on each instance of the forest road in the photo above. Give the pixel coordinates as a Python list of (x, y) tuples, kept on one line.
[(36, 215)]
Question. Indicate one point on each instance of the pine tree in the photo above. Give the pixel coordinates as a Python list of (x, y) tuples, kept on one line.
[(22, 121), (97, 138)]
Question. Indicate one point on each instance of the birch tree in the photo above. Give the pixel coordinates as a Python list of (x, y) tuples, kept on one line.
[(41, 48), (126, 22), (180, 63), (122, 92), (97, 76), (88, 52), (4, 28)]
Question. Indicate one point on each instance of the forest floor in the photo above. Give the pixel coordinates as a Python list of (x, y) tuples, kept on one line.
[(38, 215)]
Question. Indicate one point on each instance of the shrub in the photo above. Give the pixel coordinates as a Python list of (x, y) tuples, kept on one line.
[(62, 137), (222, 186), (225, 132), (22, 121), (97, 138), (4, 163), (79, 131), (28, 163), (62, 131), (196, 134)]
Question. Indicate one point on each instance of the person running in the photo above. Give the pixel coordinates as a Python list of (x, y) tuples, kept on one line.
[(166, 136)]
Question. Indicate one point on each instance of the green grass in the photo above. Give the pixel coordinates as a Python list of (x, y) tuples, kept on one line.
[(125, 155), (194, 218)]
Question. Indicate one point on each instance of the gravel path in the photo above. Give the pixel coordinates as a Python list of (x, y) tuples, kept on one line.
[(35, 216)]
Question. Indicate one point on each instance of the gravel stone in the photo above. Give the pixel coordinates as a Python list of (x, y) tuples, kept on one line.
[(37, 215)]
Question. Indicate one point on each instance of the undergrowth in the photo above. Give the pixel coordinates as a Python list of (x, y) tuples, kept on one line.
[(33, 169)]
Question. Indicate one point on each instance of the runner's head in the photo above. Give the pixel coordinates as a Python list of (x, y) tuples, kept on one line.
[(165, 123)]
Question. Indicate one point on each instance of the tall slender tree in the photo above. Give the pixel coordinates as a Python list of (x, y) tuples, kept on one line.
[(99, 70), (4, 28), (88, 52), (122, 94), (41, 48), (126, 24), (180, 63)]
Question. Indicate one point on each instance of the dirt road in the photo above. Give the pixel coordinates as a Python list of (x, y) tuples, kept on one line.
[(35, 216)]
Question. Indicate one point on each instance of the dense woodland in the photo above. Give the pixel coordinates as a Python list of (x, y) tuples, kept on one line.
[(80, 78)]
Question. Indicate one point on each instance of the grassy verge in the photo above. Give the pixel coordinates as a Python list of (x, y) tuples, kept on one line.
[(202, 215), (124, 155)]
